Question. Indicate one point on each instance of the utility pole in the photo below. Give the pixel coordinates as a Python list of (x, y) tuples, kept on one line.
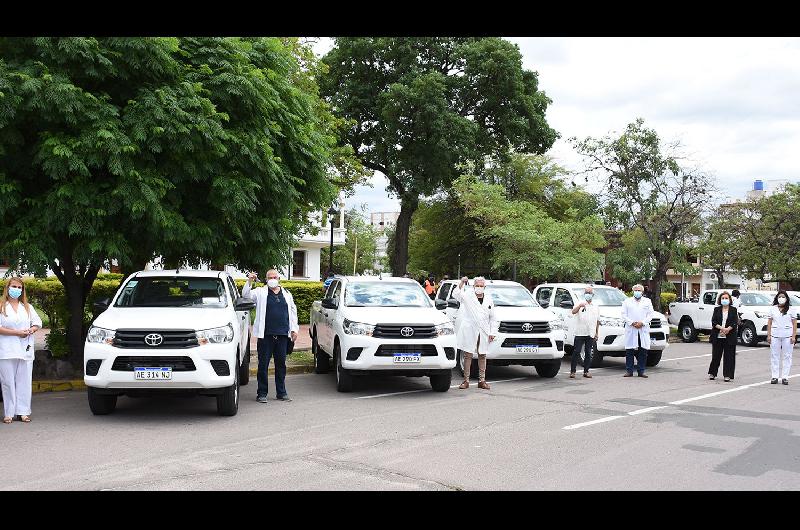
[(355, 254)]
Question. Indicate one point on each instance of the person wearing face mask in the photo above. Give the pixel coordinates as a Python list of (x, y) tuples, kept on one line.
[(781, 333), (476, 327), (275, 326), (587, 327), (637, 312), (18, 322), (724, 332)]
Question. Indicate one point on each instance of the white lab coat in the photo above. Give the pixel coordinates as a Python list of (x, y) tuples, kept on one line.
[(637, 311), (17, 347), (259, 294), (474, 320)]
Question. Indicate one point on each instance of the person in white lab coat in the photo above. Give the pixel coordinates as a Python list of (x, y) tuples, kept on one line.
[(477, 326), (637, 312), (781, 333), (18, 323)]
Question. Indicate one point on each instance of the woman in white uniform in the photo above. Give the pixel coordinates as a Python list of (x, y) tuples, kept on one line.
[(781, 332), (18, 323)]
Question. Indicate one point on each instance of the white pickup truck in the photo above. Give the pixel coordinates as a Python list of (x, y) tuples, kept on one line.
[(693, 318), (527, 335), (382, 326)]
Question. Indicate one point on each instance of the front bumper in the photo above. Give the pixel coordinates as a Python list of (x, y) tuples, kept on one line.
[(362, 351), (504, 346), (202, 377), (612, 339)]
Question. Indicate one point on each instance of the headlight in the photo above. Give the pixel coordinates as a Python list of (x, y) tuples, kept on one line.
[(445, 329), (215, 335), (100, 335), (613, 322), (759, 314), (357, 328), (558, 324)]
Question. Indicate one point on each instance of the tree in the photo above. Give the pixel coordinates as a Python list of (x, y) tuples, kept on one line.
[(722, 242), (360, 243), (423, 106), (195, 149), (647, 188)]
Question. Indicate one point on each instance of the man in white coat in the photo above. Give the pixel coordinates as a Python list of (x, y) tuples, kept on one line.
[(476, 327), (637, 312), (275, 325)]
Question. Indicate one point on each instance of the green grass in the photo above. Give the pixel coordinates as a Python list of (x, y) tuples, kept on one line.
[(301, 357)]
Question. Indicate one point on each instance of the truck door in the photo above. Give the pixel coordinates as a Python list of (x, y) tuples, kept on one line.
[(328, 316), (562, 305), (242, 318), (705, 310)]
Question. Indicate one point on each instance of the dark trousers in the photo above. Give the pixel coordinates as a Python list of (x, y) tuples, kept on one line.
[(726, 352), (587, 343), (641, 358), (268, 347)]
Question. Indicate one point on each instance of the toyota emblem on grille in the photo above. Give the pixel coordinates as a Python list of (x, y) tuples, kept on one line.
[(407, 331), (153, 339), (527, 326)]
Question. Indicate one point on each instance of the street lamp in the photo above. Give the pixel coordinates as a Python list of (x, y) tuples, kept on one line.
[(331, 214)]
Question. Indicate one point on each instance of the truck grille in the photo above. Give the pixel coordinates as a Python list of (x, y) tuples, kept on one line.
[(524, 327), (172, 339), (510, 342), (178, 364), (394, 331), (388, 350), (655, 323)]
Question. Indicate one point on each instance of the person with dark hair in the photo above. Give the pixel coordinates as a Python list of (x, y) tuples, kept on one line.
[(724, 327), (781, 332), (430, 287), (735, 300)]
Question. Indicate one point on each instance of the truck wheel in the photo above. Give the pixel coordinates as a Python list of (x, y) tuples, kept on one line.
[(597, 359), (244, 368), (568, 349), (228, 401), (441, 382), (654, 357), (101, 404), (687, 331), (548, 368), (749, 337), (322, 363), (344, 380)]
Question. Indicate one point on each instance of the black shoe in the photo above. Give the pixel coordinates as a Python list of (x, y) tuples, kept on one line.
[(643, 375), (261, 399), (284, 398), (785, 381), (628, 374), (774, 381), (727, 379), (712, 377)]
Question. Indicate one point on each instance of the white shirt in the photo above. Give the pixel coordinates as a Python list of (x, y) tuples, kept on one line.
[(736, 302), (260, 294), (12, 347), (781, 324), (586, 320)]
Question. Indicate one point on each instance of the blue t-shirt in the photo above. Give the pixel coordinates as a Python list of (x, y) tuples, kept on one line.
[(276, 319)]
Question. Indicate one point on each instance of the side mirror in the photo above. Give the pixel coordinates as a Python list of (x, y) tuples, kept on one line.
[(545, 304), (329, 303), (244, 304), (440, 304), (566, 304), (101, 305), (455, 304)]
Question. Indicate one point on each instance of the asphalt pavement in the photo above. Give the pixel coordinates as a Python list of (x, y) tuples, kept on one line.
[(675, 430)]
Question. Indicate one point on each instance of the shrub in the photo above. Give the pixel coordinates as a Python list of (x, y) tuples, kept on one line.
[(667, 298)]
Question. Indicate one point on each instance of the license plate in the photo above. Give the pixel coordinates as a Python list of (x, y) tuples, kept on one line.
[(149, 374), (407, 357), (528, 349)]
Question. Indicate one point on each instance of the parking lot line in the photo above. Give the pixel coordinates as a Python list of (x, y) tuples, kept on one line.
[(429, 390), (586, 423)]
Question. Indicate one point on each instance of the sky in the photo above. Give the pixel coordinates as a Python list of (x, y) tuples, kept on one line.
[(733, 103)]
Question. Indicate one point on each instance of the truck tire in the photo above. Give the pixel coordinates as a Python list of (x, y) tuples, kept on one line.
[(597, 359), (473, 367), (687, 331), (101, 404), (548, 368), (228, 401), (441, 382), (322, 363), (244, 368), (653, 357), (749, 337), (344, 380)]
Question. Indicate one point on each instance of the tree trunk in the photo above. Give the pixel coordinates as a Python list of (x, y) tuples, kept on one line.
[(659, 277), (408, 205), (720, 279)]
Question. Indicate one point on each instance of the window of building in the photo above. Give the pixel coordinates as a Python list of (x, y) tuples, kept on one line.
[(299, 263)]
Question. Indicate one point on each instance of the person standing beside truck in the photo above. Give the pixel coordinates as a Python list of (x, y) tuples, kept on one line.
[(724, 333), (637, 312), (476, 319), (587, 328), (781, 333), (430, 287)]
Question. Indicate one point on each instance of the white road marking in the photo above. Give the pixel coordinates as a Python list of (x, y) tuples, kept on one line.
[(742, 387), (429, 390), (648, 409), (584, 424)]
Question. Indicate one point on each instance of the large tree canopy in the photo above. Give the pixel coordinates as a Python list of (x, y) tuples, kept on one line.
[(420, 107), (126, 148)]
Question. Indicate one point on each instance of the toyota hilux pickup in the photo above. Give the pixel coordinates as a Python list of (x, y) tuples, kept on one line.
[(525, 334), (170, 332), (381, 326)]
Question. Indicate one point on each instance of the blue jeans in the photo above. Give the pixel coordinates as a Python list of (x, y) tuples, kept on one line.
[(587, 343), (268, 347), (641, 360)]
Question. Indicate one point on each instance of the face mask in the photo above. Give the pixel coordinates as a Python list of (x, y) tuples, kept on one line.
[(15, 292), (637, 294), (588, 296), (272, 283), (781, 300), (725, 301), (479, 290)]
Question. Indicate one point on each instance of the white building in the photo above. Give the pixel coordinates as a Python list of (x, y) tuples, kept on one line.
[(381, 221)]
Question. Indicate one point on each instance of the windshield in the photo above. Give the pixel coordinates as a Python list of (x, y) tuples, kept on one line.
[(794, 299), (513, 295), (755, 299), (603, 296), (385, 294), (172, 291)]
